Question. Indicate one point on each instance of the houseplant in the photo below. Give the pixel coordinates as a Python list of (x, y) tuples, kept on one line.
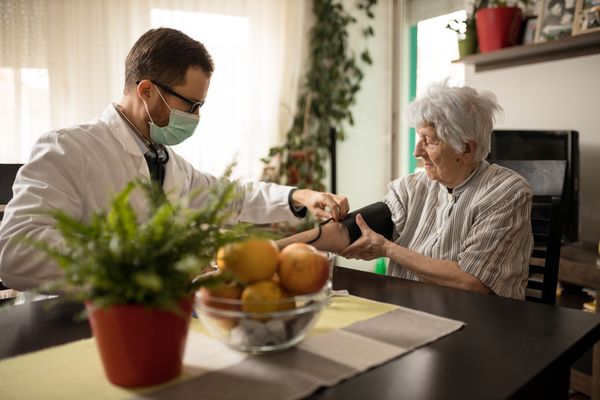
[(466, 32), (328, 92), (499, 23), (135, 271)]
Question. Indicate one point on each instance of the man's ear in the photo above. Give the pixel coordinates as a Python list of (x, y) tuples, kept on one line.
[(469, 152), (144, 89)]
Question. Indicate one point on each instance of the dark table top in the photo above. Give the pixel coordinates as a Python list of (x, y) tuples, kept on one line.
[(508, 349)]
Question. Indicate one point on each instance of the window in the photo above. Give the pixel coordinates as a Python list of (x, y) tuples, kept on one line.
[(25, 109), (436, 48), (80, 66), (222, 134)]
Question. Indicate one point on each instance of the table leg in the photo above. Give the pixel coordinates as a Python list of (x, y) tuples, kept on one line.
[(596, 372)]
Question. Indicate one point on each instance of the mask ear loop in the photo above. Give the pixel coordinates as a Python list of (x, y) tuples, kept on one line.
[(148, 112), (163, 99), (146, 105)]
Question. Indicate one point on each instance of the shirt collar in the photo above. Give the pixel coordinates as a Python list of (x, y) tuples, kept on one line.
[(128, 138), (119, 129), (473, 177)]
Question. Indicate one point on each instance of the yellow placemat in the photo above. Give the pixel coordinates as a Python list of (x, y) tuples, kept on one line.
[(74, 370), (345, 311)]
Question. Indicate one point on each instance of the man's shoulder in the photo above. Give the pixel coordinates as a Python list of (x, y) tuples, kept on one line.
[(81, 135), (92, 135)]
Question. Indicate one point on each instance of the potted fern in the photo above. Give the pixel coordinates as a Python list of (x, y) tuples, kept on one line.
[(135, 271)]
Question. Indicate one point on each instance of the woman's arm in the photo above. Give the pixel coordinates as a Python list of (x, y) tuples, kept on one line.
[(432, 270), (441, 272), (334, 237), (337, 235)]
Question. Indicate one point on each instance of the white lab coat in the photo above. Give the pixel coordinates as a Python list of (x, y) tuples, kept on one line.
[(79, 170)]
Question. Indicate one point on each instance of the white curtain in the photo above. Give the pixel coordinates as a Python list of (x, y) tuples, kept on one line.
[(62, 63)]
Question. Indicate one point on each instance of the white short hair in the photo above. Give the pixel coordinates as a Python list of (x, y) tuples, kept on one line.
[(458, 114)]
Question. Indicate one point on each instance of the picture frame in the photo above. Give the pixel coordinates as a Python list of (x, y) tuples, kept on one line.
[(587, 17), (555, 19), (529, 30)]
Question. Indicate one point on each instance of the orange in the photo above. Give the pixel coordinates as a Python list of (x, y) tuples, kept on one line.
[(264, 297), (298, 246), (213, 297), (251, 260), (218, 297), (303, 271), (220, 258)]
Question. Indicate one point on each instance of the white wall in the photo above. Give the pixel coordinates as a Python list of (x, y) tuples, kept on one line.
[(364, 158), (559, 94)]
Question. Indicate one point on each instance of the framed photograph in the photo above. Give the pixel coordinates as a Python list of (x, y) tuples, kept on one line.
[(587, 17), (530, 25), (555, 19)]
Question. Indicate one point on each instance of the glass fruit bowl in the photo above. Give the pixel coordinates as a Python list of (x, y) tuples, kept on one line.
[(260, 332)]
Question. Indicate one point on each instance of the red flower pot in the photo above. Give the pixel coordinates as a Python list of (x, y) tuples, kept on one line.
[(498, 27), (140, 346)]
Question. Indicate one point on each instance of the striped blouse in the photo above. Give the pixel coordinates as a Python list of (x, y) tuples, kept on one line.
[(483, 224)]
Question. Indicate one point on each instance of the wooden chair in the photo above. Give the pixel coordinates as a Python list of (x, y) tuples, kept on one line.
[(547, 179)]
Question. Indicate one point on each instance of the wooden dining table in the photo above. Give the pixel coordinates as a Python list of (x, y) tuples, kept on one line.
[(508, 348)]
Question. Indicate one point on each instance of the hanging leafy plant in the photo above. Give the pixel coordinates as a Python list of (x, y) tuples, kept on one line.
[(326, 98)]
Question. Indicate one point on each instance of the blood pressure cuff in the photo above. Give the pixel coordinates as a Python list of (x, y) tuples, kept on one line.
[(377, 215)]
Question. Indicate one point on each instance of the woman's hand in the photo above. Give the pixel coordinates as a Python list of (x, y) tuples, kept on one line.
[(369, 246)]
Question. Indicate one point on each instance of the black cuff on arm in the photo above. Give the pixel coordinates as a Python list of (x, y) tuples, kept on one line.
[(377, 215), (298, 212)]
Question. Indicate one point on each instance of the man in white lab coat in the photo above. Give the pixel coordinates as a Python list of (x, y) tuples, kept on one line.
[(79, 169)]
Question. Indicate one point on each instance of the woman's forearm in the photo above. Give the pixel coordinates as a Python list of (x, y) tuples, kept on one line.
[(334, 237), (432, 270)]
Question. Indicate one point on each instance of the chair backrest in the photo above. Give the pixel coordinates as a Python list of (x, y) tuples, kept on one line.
[(547, 180), (8, 172)]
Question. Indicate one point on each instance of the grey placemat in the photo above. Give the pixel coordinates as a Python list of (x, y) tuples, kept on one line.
[(321, 360)]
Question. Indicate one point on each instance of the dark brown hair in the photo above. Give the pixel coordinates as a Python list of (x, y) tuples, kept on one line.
[(164, 55)]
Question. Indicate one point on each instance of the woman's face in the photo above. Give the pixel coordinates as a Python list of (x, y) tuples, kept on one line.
[(442, 163)]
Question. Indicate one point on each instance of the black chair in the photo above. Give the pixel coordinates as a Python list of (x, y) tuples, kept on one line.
[(8, 172), (547, 179)]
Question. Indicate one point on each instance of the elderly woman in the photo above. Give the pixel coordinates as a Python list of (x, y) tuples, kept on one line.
[(462, 222)]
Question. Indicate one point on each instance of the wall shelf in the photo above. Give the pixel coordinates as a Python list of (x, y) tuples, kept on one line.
[(573, 46)]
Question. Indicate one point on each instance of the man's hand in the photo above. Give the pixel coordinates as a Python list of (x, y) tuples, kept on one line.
[(369, 246), (322, 205)]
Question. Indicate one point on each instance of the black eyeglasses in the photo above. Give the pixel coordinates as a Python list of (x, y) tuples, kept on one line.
[(194, 105)]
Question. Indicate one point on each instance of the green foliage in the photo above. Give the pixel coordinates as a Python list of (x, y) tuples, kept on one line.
[(328, 93), (125, 257)]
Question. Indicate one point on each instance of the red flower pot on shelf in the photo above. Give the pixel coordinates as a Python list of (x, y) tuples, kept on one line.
[(498, 27), (138, 345)]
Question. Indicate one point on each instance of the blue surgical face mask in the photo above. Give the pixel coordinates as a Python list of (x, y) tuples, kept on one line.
[(180, 127)]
